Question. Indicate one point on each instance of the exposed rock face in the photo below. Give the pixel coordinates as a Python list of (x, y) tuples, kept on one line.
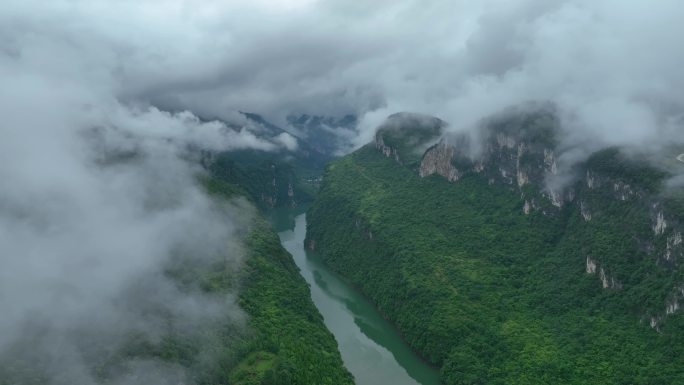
[(654, 322), (522, 178), (585, 212), (406, 136), (550, 161), (526, 208), (505, 141), (438, 160), (523, 158), (672, 306), (660, 225), (591, 180), (623, 191), (269, 200), (512, 156), (672, 246), (388, 151), (607, 281), (555, 197), (590, 266)]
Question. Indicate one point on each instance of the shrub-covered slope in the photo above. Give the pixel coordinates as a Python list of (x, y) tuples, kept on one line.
[(279, 177), (499, 279), (277, 338), (288, 328), (287, 342)]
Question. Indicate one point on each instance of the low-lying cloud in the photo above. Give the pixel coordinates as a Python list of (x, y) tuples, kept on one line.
[(101, 101), (613, 68), (98, 202), (100, 205)]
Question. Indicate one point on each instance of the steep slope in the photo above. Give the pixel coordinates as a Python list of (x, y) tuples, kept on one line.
[(277, 338), (288, 342), (500, 276), (279, 177), (328, 135)]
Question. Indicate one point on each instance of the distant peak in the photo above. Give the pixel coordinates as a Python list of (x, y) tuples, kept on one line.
[(414, 120), (405, 136)]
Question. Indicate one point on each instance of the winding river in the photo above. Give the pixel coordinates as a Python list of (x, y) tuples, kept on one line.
[(371, 348)]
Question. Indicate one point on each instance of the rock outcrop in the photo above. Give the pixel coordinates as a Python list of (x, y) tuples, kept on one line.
[(521, 155), (438, 160)]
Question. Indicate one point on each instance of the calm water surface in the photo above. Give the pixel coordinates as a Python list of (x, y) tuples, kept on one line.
[(371, 348)]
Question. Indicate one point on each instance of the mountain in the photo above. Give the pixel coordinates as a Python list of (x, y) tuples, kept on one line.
[(326, 134), (181, 323), (288, 342), (501, 268), (271, 178)]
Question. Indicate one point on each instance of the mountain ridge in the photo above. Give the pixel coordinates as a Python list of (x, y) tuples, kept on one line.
[(477, 260)]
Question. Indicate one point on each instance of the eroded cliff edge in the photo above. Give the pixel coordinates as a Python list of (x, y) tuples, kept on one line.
[(485, 257)]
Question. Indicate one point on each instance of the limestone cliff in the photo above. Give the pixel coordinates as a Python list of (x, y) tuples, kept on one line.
[(438, 160), (520, 153)]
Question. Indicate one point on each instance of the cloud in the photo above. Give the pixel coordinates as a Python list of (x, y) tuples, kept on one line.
[(611, 67), (100, 107), (92, 217), (287, 141), (100, 203), (96, 206)]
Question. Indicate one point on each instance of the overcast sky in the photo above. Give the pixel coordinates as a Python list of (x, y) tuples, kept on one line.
[(613, 66)]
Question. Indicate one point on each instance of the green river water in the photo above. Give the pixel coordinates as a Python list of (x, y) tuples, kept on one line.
[(371, 348)]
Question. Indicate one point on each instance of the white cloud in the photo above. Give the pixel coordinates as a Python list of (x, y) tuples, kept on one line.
[(87, 144), (287, 141)]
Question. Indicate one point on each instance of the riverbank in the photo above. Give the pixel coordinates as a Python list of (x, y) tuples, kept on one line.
[(371, 347)]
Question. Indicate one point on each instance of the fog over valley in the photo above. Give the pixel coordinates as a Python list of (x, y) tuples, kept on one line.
[(147, 146)]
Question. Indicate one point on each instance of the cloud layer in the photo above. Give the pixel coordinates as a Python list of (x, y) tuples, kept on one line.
[(99, 202), (99, 189), (612, 67)]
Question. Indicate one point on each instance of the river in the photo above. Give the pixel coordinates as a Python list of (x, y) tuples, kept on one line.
[(371, 348)]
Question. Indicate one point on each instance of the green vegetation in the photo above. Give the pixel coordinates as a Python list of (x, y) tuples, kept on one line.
[(269, 179), (494, 296), (285, 320), (281, 341), (289, 343), (253, 369), (537, 124), (410, 134), (633, 171)]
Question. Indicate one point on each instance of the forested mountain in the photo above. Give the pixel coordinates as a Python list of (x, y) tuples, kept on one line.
[(326, 134), (223, 303), (286, 342), (287, 176), (502, 266), (327, 192)]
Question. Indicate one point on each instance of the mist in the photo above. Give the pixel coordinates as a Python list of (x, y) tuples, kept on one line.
[(99, 203), (612, 68), (101, 207), (101, 127)]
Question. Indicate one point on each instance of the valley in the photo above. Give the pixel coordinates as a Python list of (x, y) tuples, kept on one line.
[(331, 192), (496, 279), (372, 349)]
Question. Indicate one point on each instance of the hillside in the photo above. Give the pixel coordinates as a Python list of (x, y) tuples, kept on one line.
[(325, 134), (498, 275), (278, 336), (285, 177), (288, 343)]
